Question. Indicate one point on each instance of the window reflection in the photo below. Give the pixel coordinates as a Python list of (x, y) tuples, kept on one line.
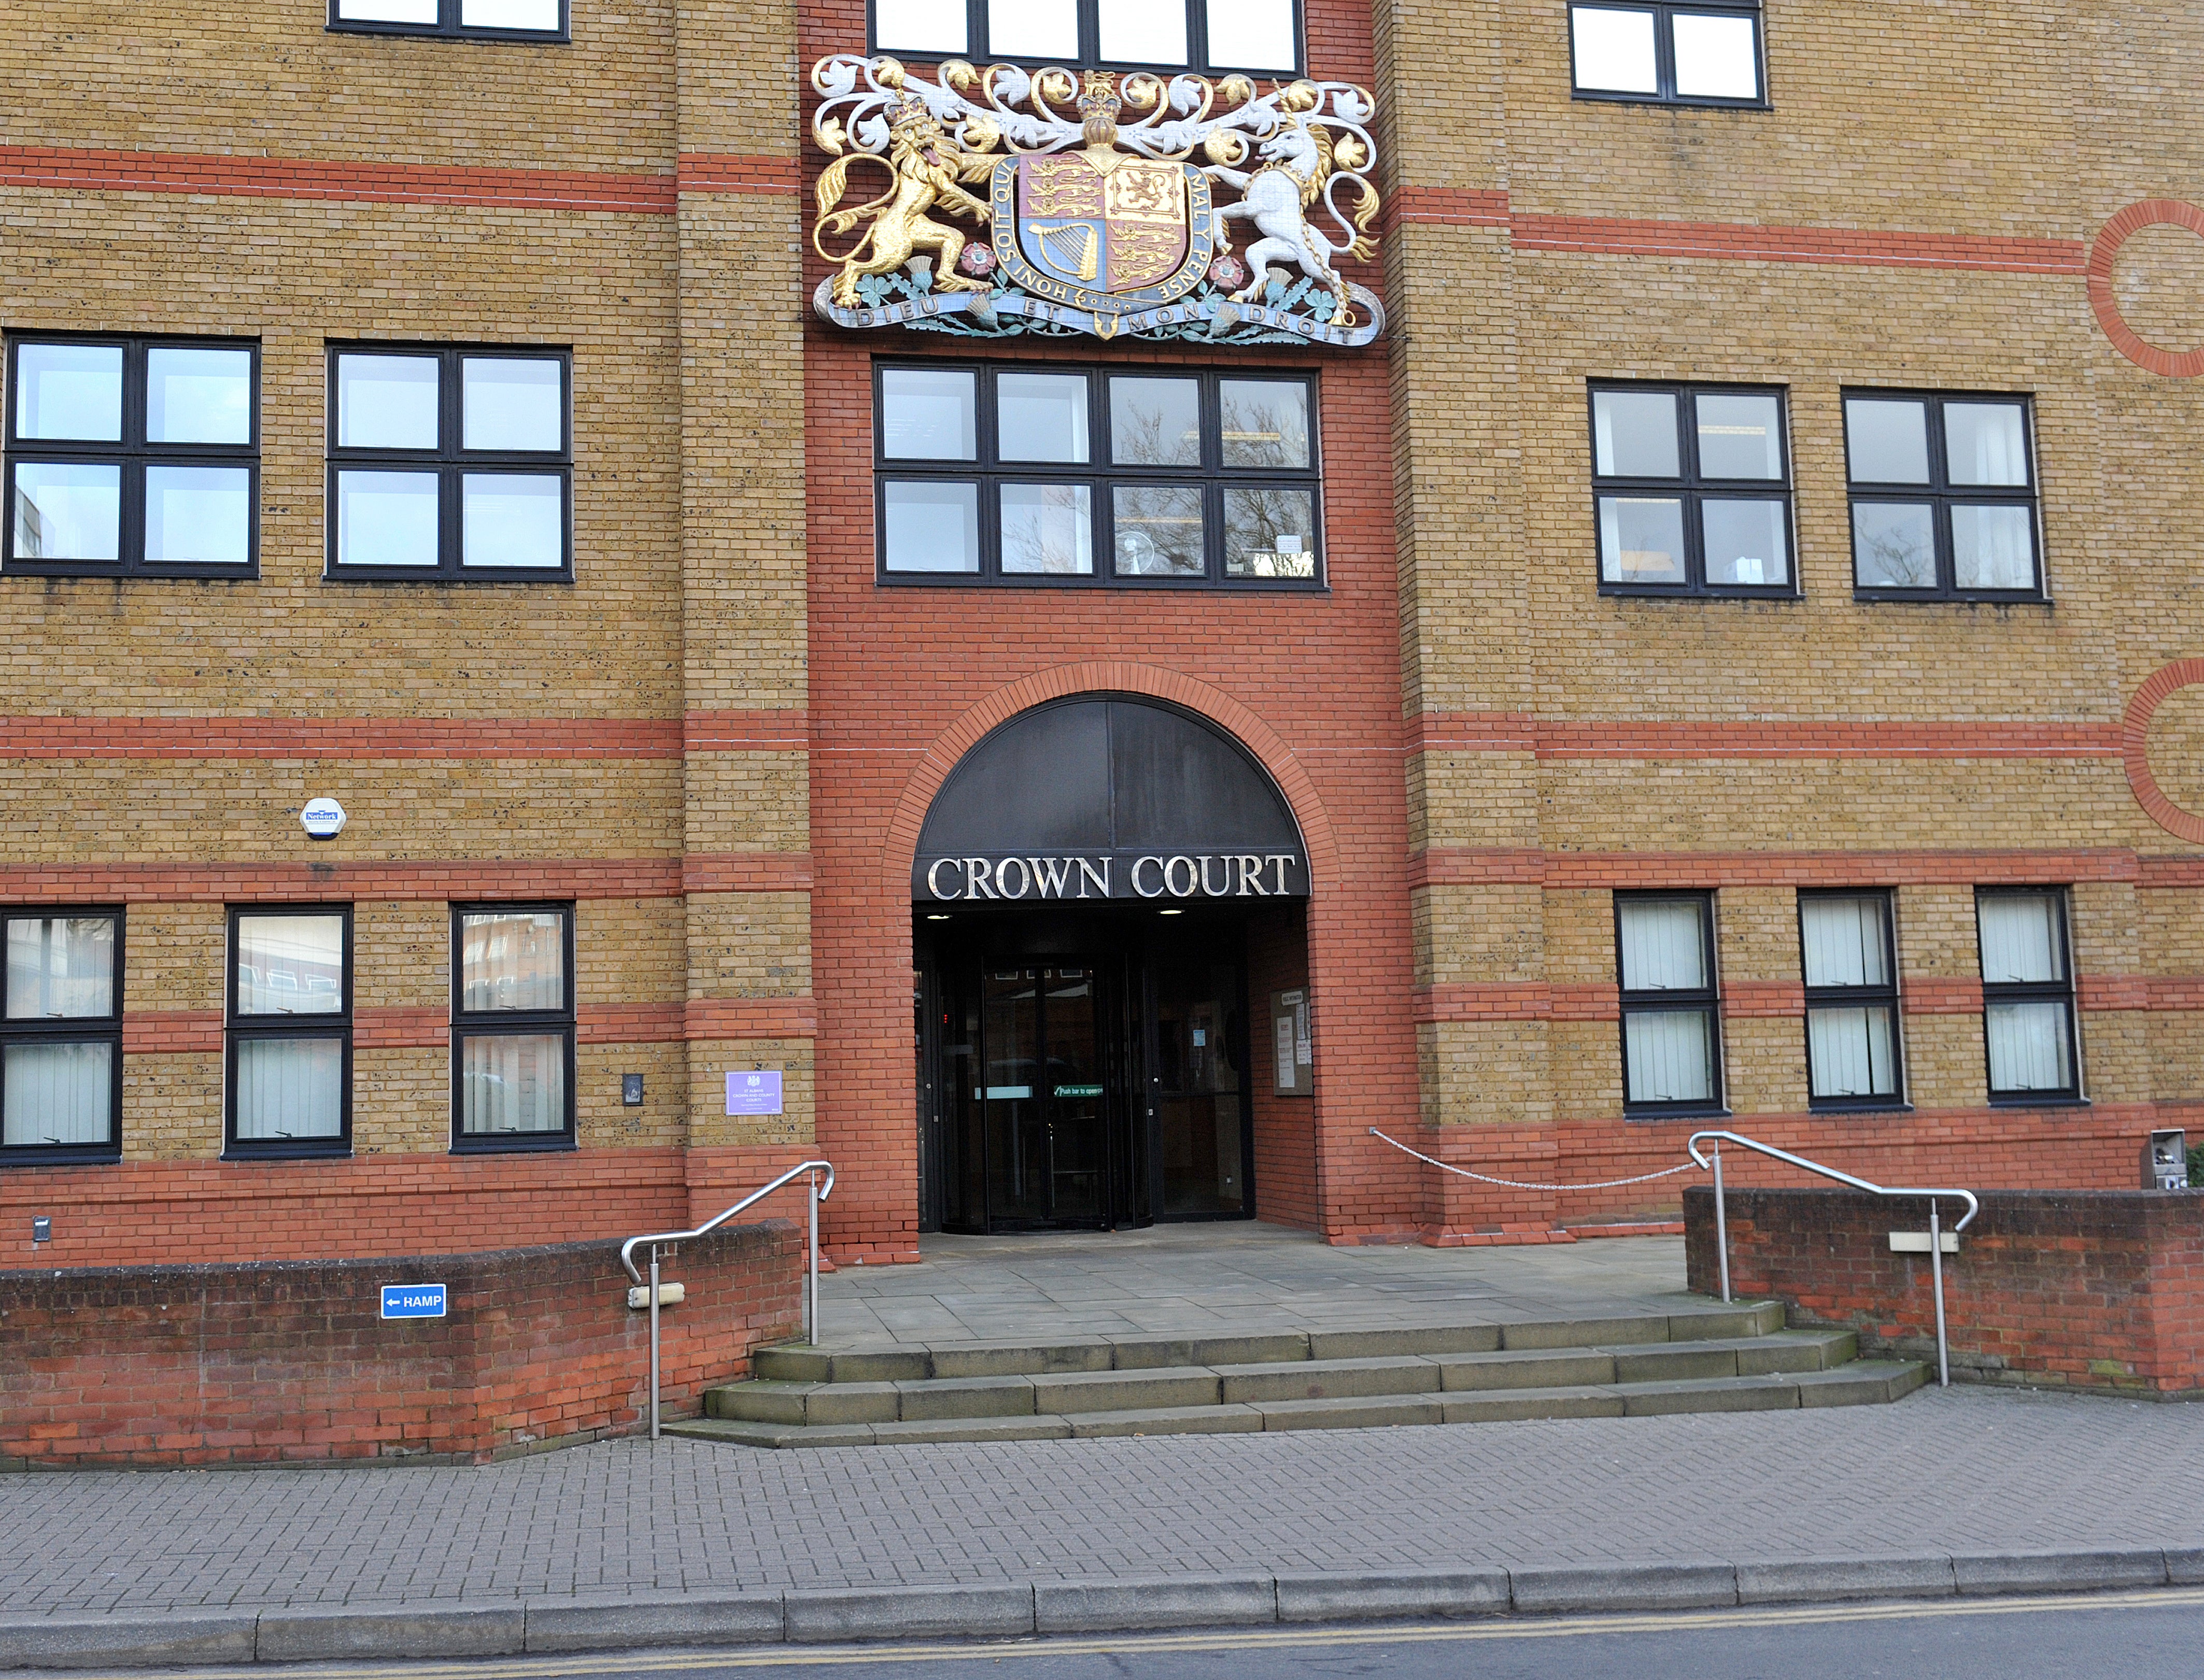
[(1160, 531), (1155, 423), (1048, 528)]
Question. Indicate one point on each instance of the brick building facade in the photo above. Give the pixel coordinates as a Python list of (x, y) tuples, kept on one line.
[(698, 731)]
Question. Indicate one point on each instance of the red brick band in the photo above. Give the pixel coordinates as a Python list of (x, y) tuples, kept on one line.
[(1479, 866), (2105, 253), (784, 730), (735, 172), (1818, 738), (402, 738), (1767, 1000), (174, 1032), (229, 176), (226, 176), (1447, 206), (397, 883), (2135, 748), (1722, 241), (1852, 246), (386, 738)]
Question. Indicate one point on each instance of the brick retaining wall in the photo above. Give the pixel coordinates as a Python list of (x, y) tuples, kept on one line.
[(291, 1360), (2099, 1289)]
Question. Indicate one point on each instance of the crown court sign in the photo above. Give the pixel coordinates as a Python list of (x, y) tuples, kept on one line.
[(1108, 796)]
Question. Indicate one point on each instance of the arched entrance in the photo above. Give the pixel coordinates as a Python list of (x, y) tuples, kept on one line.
[(1105, 890)]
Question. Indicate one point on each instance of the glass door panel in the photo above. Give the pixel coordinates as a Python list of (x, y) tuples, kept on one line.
[(1200, 1090), (1045, 1096), (1075, 1131), (1010, 1032)]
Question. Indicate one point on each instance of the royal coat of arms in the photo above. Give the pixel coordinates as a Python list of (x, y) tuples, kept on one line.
[(1093, 224)]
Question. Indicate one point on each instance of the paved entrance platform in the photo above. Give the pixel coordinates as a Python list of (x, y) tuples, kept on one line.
[(627, 1542), (1239, 1277)]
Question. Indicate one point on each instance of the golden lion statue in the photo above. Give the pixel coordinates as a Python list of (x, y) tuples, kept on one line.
[(927, 168)]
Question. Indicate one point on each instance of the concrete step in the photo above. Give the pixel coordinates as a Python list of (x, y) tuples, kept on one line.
[(1859, 1383), (1072, 1355), (1176, 1388)]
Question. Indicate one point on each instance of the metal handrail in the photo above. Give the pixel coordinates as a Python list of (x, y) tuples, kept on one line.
[(819, 1193), (1935, 1228)]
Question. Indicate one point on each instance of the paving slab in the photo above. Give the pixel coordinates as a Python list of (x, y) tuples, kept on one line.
[(1245, 1279)]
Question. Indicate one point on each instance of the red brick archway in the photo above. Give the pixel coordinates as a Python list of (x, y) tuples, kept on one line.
[(1118, 677)]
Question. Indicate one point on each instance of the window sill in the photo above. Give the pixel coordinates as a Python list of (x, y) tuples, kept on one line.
[(2050, 1100), (544, 38), (1636, 1116), (1677, 592), (1586, 96), (61, 1155), (1926, 598), (445, 579), (553, 1144), (939, 55), (298, 1151), (1213, 586), (1838, 1107), (52, 569)]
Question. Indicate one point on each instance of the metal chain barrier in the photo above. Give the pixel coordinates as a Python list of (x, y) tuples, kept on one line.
[(1517, 1184)]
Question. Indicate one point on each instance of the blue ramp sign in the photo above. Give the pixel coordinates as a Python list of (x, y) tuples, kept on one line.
[(412, 1300)]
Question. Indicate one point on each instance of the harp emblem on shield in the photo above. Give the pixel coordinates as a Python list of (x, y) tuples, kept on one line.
[(1115, 223)]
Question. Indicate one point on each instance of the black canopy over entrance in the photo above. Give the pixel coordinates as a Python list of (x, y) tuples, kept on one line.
[(1108, 796), (1090, 1063)]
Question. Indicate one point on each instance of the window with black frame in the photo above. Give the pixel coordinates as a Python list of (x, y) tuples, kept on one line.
[(1035, 473), (1692, 490), (486, 20), (60, 1037), (1705, 54), (1943, 496), (289, 1038), (512, 1027), (2028, 995), (133, 457), (450, 464), (1849, 956), (1671, 1026), (1204, 35)]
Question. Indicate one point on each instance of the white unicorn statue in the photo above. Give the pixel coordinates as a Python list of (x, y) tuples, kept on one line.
[(1300, 163)]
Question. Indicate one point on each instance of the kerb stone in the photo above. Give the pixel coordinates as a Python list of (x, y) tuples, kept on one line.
[(605, 1624), (1104, 1607), (1680, 1586), (1378, 1594), (319, 1634), (910, 1612), (167, 1636)]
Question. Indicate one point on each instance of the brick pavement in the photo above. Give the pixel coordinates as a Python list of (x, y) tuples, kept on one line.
[(1968, 1469)]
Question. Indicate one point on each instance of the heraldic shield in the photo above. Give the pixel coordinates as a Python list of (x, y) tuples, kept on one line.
[(1105, 231)]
